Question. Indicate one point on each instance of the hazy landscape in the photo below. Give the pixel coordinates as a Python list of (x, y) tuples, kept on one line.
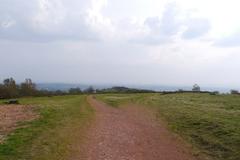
[(119, 80), (67, 86)]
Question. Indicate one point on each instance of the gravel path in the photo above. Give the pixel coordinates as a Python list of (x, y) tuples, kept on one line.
[(130, 133)]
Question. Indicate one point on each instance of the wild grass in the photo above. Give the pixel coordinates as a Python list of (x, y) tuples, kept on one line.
[(211, 123), (62, 122), (115, 100)]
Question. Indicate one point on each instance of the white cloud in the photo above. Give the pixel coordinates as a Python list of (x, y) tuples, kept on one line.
[(50, 14), (232, 40), (97, 21), (117, 41)]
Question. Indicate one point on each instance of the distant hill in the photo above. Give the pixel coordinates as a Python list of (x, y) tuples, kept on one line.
[(119, 89), (59, 86), (67, 86)]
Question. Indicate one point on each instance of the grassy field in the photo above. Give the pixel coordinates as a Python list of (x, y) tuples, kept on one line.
[(62, 121), (211, 123)]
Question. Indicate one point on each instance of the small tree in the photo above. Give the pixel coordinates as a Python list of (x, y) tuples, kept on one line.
[(9, 88), (89, 90), (196, 88), (74, 91), (28, 88), (234, 91)]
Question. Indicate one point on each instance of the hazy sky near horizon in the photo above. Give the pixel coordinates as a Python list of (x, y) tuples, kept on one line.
[(173, 42)]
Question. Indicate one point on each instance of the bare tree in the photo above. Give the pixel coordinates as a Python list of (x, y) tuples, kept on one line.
[(196, 88), (28, 88)]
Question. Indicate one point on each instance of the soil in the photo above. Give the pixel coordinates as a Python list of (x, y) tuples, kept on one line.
[(11, 115), (130, 133)]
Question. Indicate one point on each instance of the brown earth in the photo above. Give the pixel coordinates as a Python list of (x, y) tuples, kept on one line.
[(130, 133), (10, 115)]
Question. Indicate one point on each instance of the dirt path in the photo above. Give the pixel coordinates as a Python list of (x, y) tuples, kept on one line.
[(130, 134)]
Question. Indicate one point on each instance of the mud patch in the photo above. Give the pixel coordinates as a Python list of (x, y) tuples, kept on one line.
[(11, 115)]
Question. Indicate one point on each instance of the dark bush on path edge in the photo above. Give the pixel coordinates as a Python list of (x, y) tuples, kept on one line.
[(12, 101)]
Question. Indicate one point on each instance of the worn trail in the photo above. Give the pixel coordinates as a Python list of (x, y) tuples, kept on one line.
[(130, 133)]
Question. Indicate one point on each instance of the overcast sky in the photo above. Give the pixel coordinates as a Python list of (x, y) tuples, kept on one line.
[(160, 42)]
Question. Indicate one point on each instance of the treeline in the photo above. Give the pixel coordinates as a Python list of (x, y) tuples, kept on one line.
[(10, 89), (183, 91), (123, 90)]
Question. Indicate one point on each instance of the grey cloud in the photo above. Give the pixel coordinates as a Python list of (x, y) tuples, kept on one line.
[(44, 20), (165, 29), (162, 30), (153, 23), (168, 25), (196, 28), (68, 61)]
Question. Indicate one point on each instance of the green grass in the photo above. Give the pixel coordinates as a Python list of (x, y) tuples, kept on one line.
[(211, 123), (114, 100), (61, 125)]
